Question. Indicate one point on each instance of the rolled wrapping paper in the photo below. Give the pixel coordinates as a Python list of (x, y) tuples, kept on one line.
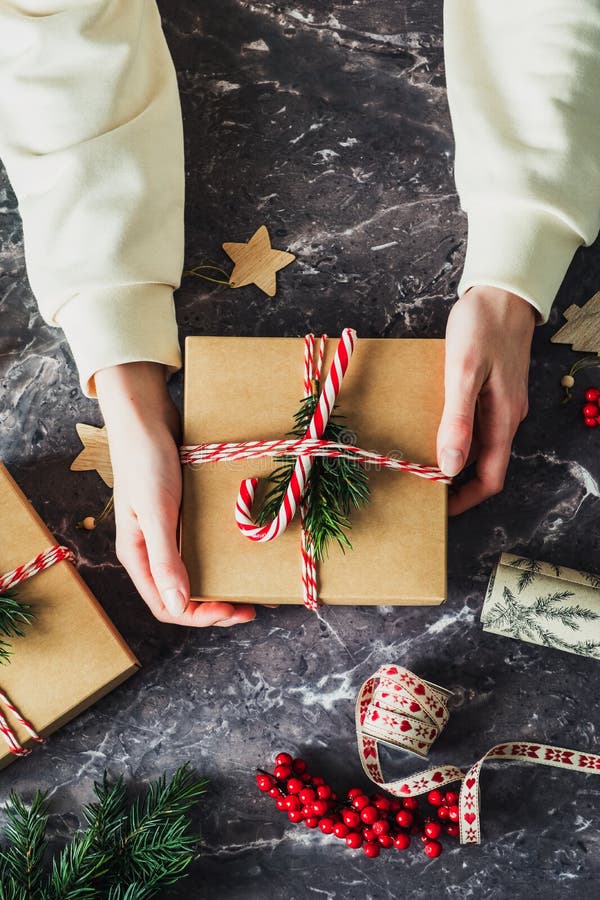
[(544, 604)]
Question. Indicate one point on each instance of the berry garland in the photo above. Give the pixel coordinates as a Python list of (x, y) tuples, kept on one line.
[(591, 407), (373, 822)]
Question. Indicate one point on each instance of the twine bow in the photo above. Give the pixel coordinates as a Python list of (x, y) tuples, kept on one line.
[(42, 561), (305, 449), (397, 707)]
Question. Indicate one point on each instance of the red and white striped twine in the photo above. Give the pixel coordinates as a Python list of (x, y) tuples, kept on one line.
[(42, 561), (305, 449)]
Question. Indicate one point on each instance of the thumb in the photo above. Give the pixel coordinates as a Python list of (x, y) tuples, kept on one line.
[(166, 567), (455, 432)]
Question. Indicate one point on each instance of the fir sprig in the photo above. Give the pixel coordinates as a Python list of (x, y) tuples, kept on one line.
[(334, 486), (129, 851), (13, 615)]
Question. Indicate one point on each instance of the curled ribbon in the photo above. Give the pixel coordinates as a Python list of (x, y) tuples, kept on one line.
[(305, 449), (397, 707), (42, 561)]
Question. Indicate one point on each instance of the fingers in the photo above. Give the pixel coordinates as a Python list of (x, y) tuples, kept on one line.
[(159, 528), (455, 432), (497, 427), (133, 554)]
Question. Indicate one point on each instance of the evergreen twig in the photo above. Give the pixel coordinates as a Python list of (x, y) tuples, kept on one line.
[(129, 851), (13, 615), (334, 486)]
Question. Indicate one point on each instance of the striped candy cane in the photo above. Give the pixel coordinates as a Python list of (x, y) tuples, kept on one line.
[(296, 487), (42, 561)]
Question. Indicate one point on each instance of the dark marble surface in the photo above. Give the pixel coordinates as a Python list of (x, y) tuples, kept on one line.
[(328, 122)]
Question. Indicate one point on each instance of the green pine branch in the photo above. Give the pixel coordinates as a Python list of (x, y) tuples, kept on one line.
[(13, 616), (128, 851), (335, 486)]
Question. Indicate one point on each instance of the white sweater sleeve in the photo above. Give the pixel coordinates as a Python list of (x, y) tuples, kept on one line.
[(524, 92), (91, 137)]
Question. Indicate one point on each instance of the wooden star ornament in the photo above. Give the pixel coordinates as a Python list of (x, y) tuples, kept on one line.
[(95, 455), (582, 329), (257, 262)]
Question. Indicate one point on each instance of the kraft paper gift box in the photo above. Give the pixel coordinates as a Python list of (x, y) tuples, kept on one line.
[(545, 604), (249, 389), (71, 654)]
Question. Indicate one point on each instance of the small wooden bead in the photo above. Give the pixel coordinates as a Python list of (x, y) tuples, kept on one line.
[(89, 523), (567, 381)]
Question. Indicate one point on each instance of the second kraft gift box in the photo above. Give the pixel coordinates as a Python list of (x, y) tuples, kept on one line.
[(239, 389)]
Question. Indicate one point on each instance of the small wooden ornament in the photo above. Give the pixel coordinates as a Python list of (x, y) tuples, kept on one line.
[(582, 329), (95, 455), (256, 262)]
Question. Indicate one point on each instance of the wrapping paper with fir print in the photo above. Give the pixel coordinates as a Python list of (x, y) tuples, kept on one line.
[(544, 604)]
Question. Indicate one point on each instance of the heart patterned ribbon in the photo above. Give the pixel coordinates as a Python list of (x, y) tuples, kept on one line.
[(397, 707), (42, 561)]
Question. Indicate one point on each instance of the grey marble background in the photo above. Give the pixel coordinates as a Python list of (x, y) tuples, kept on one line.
[(328, 122)]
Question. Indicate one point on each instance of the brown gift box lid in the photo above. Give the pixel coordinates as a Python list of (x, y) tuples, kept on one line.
[(249, 389), (71, 654)]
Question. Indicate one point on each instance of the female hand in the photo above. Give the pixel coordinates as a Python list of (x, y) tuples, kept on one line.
[(144, 433), (488, 348)]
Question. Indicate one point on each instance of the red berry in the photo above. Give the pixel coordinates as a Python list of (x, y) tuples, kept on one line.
[(324, 792), (371, 849), (591, 423), (354, 840), (311, 821), (264, 782), (354, 792), (433, 849), (410, 803), (351, 818), (282, 773), (396, 804), (283, 759), (404, 818), (293, 802), (360, 802), (306, 777), (436, 798), (424, 838), (368, 834), (381, 827), (433, 830), (382, 803), (274, 792), (450, 798), (320, 807), (592, 394), (590, 410), (307, 811), (327, 825), (443, 812), (295, 815), (369, 814), (453, 813), (294, 785), (453, 830), (401, 841), (386, 840), (307, 795), (316, 780), (340, 830), (299, 766), (281, 803)]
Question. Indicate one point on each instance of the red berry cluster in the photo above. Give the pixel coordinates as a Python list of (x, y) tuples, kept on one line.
[(371, 822), (591, 407)]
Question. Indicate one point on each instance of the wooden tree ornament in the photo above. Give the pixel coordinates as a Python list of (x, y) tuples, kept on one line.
[(582, 329)]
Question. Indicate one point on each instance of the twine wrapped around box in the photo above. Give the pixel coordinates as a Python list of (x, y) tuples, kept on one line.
[(544, 604), (305, 450)]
